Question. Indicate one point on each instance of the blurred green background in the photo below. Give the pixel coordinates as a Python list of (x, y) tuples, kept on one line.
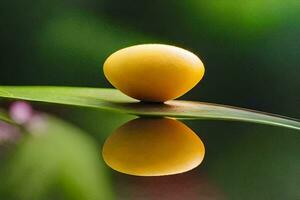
[(250, 49), (251, 52)]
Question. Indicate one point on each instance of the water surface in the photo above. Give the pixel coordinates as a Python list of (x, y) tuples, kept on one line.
[(63, 159)]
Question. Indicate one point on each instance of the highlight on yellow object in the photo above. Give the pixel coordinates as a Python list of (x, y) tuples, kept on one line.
[(153, 72), (153, 147)]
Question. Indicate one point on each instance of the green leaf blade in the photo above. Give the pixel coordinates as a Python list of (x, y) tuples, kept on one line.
[(113, 99)]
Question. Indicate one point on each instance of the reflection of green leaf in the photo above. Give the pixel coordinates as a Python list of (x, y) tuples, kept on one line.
[(58, 161), (5, 117), (89, 119), (114, 100)]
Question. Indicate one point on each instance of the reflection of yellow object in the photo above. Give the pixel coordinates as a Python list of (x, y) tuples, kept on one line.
[(153, 72), (153, 147)]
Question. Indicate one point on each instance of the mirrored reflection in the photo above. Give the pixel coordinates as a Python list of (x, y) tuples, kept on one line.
[(153, 147)]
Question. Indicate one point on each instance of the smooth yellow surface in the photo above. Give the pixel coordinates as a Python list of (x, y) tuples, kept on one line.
[(153, 147), (153, 72)]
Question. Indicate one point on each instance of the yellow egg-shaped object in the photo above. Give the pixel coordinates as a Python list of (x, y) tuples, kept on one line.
[(153, 72), (153, 147)]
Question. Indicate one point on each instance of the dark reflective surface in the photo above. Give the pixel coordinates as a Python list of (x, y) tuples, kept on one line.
[(61, 159), (242, 161)]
